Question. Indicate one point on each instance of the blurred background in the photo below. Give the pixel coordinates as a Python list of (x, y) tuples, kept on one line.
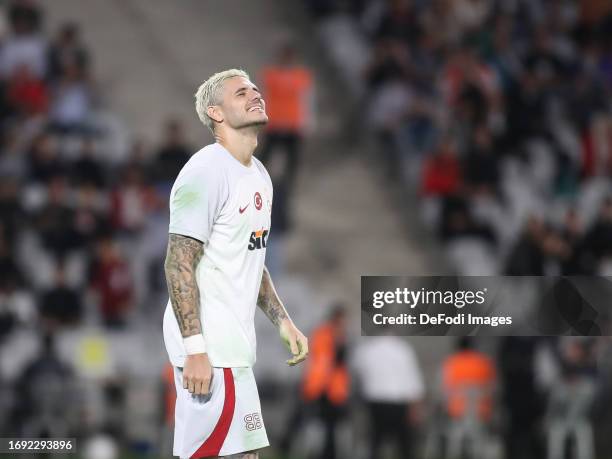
[(407, 137)]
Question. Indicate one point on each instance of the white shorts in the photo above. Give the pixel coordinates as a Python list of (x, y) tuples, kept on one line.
[(226, 421)]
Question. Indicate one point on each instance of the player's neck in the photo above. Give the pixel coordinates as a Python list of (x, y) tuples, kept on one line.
[(240, 143)]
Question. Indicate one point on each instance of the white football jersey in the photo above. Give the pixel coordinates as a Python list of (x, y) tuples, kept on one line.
[(227, 206)]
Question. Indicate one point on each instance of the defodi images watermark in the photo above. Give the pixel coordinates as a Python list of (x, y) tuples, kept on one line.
[(486, 305)]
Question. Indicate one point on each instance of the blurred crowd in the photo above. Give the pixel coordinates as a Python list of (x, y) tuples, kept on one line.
[(497, 115), (83, 231), (72, 207)]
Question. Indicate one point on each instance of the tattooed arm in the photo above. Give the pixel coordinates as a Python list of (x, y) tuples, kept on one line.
[(269, 302), (182, 258)]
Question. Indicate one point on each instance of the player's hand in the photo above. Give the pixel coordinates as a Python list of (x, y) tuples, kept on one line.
[(197, 374), (295, 341)]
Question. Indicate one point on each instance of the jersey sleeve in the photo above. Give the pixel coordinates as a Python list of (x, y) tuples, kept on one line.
[(196, 200)]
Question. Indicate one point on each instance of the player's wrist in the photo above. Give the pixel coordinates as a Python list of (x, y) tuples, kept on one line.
[(286, 324), (195, 344)]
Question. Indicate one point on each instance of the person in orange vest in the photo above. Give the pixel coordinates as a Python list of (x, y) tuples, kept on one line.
[(468, 381), (468, 371), (288, 90), (325, 385)]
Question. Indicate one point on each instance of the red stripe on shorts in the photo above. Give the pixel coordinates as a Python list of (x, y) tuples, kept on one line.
[(214, 442)]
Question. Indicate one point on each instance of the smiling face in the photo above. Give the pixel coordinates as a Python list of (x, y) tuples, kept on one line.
[(241, 105)]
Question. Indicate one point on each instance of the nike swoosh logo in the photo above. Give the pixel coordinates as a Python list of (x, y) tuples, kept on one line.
[(241, 210)]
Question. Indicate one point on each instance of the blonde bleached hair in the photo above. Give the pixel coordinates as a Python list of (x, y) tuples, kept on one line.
[(209, 93)]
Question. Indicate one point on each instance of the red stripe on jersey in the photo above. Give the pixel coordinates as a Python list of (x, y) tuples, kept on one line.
[(214, 442)]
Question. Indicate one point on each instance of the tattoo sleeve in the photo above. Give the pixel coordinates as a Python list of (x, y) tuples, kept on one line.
[(269, 302), (182, 258)]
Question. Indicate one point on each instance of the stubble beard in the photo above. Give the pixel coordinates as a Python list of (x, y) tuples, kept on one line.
[(255, 125)]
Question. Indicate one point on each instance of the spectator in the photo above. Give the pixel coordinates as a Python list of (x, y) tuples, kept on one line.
[(543, 61), (393, 389), (503, 57), (399, 21), (131, 201), (44, 159), (390, 61), (25, 16), (527, 97), (54, 222), (520, 396), (27, 94), (66, 51), (60, 305), (111, 280), (72, 101), (24, 47), (459, 223), (91, 214), (87, 169), (469, 15), (173, 154), (527, 257), (556, 250), (441, 172), (390, 105), (481, 164), (571, 402), (12, 216), (12, 158), (464, 71), (46, 392)]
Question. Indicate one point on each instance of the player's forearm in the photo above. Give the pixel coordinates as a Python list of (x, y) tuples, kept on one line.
[(269, 302), (182, 258)]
